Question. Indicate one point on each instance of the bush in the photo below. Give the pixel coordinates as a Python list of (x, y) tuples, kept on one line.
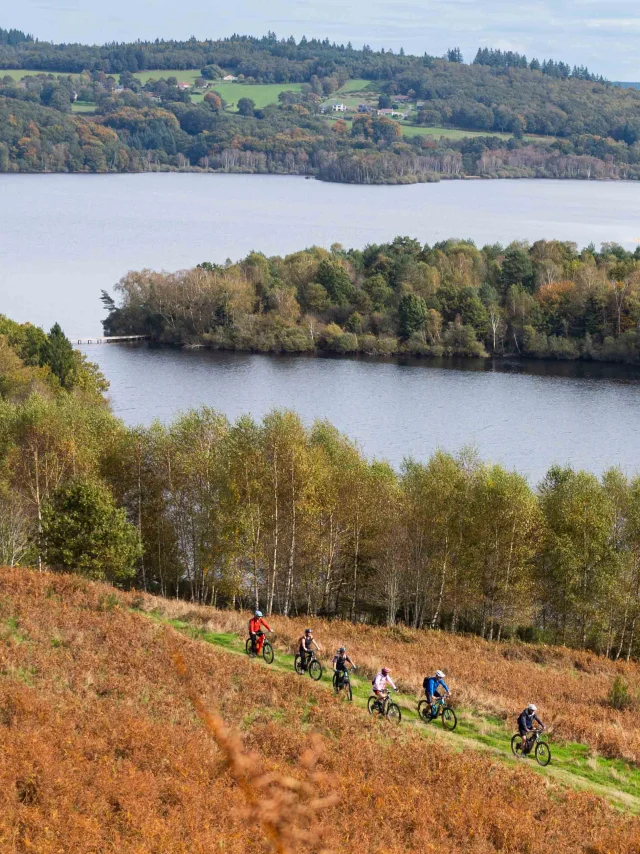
[(84, 531), (619, 695)]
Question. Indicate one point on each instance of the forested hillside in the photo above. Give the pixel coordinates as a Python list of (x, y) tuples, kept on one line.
[(546, 300), (297, 519), (585, 127), (102, 750)]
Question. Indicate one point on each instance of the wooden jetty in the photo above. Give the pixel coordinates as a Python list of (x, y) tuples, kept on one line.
[(108, 339)]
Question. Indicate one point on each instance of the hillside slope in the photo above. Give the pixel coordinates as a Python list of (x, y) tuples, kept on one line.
[(101, 750)]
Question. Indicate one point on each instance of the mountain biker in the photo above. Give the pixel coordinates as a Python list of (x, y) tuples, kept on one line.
[(255, 632), (525, 724), (305, 644), (380, 683), (340, 664), (431, 684)]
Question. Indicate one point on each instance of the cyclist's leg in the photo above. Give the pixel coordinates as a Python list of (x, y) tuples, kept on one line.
[(253, 637), (260, 641), (303, 657)]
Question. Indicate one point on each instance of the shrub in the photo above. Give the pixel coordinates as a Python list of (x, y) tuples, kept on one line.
[(619, 695)]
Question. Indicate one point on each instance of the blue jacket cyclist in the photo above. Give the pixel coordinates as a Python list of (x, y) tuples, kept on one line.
[(431, 685)]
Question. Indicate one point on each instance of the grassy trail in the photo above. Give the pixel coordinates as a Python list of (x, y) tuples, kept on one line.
[(573, 765)]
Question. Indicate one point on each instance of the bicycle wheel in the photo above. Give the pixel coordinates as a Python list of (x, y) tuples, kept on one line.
[(297, 663), (336, 688), (248, 647), (424, 711), (315, 670), (543, 753), (516, 745), (267, 652), (449, 718), (347, 687), (393, 713), (372, 705)]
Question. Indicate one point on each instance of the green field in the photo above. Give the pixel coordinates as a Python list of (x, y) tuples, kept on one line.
[(356, 86), (18, 74), (456, 133), (83, 107), (231, 92)]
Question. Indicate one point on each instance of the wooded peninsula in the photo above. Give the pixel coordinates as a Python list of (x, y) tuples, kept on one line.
[(308, 108), (548, 300)]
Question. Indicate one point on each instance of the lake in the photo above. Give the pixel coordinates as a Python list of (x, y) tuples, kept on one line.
[(63, 238), (527, 416)]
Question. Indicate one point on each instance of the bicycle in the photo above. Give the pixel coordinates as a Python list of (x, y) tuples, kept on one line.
[(342, 681), (385, 707), (443, 710), (314, 665), (266, 651), (534, 742)]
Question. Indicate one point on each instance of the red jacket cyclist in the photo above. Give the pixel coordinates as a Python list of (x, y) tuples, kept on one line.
[(255, 632)]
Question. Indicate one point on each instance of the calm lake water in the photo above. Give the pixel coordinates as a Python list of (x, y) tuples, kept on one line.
[(65, 237), (524, 416)]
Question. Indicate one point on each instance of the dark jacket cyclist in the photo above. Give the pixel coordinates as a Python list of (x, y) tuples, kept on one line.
[(341, 662), (526, 720), (305, 646)]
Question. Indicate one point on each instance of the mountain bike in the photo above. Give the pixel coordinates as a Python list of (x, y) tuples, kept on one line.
[(442, 709), (342, 682), (266, 651), (385, 707), (534, 743), (314, 665)]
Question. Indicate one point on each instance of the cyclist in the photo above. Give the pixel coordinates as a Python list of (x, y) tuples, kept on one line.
[(306, 643), (431, 685), (525, 725), (340, 665), (255, 632), (380, 684)]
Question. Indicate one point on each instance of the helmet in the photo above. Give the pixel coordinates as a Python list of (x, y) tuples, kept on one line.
[(385, 670), (307, 631), (342, 649), (258, 614), (532, 707), (440, 674)]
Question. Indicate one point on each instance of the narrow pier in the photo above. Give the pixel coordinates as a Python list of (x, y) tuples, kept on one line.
[(108, 339)]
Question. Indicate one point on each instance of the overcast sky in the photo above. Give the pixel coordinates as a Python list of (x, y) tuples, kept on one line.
[(603, 34)]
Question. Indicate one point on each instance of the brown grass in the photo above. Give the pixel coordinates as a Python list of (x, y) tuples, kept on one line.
[(101, 751), (569, 687)]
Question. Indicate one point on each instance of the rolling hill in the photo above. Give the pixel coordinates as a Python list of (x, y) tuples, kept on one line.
[(102, 750)]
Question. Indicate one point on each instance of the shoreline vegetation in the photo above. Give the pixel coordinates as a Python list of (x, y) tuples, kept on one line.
[(297, 518), (312, 108), (548, 300)]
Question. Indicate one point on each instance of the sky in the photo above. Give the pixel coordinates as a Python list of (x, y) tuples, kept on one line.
[(602, 34)]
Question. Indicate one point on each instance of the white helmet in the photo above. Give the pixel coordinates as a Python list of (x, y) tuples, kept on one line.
[(532, 707), (440, 674)]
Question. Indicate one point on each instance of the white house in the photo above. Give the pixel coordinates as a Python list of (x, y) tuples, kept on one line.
[(229, 78), (339, 108)]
